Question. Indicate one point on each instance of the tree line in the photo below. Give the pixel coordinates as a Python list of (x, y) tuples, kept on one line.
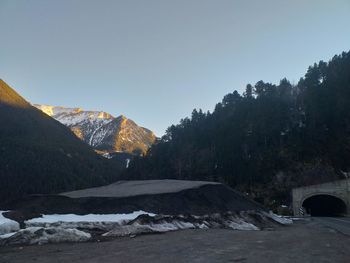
[(265, 141)]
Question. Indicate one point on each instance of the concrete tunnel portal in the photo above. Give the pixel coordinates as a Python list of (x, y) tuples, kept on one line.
[(324, 205), (326, 199)]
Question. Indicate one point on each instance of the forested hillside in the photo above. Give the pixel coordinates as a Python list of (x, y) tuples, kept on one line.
[(265, 141)]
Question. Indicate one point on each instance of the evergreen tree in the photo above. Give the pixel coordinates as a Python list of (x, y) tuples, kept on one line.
[(269, 140)]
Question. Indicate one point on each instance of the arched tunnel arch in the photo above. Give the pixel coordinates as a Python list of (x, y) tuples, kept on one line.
[(324, 205)]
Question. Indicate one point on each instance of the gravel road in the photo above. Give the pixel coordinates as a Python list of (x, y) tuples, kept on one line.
[(341, 224)]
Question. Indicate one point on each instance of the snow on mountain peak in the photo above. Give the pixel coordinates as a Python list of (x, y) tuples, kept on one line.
[(101, 130), (55, 110)]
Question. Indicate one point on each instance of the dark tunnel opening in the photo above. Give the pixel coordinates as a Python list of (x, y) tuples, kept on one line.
[(324, 205)]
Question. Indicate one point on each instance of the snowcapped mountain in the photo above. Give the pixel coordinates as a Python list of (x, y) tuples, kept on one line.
[(105, 133)]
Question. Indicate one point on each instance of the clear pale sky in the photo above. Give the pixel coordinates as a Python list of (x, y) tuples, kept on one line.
[(156, 60)]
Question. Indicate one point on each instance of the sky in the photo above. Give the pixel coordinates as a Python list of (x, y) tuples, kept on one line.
[(154, 61)]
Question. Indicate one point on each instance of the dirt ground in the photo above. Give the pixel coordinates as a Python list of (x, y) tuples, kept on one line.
[(304, 241)]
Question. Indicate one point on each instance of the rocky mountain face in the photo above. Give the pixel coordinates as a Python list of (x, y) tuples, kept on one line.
[(39, 155), (105, 133)]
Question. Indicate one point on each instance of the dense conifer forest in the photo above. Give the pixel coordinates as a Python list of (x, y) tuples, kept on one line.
[(265, 141)]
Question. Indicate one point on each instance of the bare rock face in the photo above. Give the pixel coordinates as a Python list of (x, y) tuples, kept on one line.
[(105, 133)]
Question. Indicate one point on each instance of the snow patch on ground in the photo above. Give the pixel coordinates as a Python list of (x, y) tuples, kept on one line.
[(162, 223), (64, 228), (242, 226), (40, 235), (279, 219), (7, 225), (137, 229), (7, 235), (90, 218)]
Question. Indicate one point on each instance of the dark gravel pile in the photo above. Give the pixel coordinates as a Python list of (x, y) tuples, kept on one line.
[(206, 199)]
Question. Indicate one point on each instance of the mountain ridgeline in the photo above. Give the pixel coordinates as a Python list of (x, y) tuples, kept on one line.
[(265, 141), (40, 155), (105, 133)]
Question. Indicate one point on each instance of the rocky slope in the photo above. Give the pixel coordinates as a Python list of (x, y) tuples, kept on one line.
[(105, 133)]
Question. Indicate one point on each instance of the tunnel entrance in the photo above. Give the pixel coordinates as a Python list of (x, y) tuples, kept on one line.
[(324, 205)]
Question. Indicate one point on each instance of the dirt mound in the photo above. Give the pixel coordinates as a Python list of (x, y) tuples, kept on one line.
[(199, 200)]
